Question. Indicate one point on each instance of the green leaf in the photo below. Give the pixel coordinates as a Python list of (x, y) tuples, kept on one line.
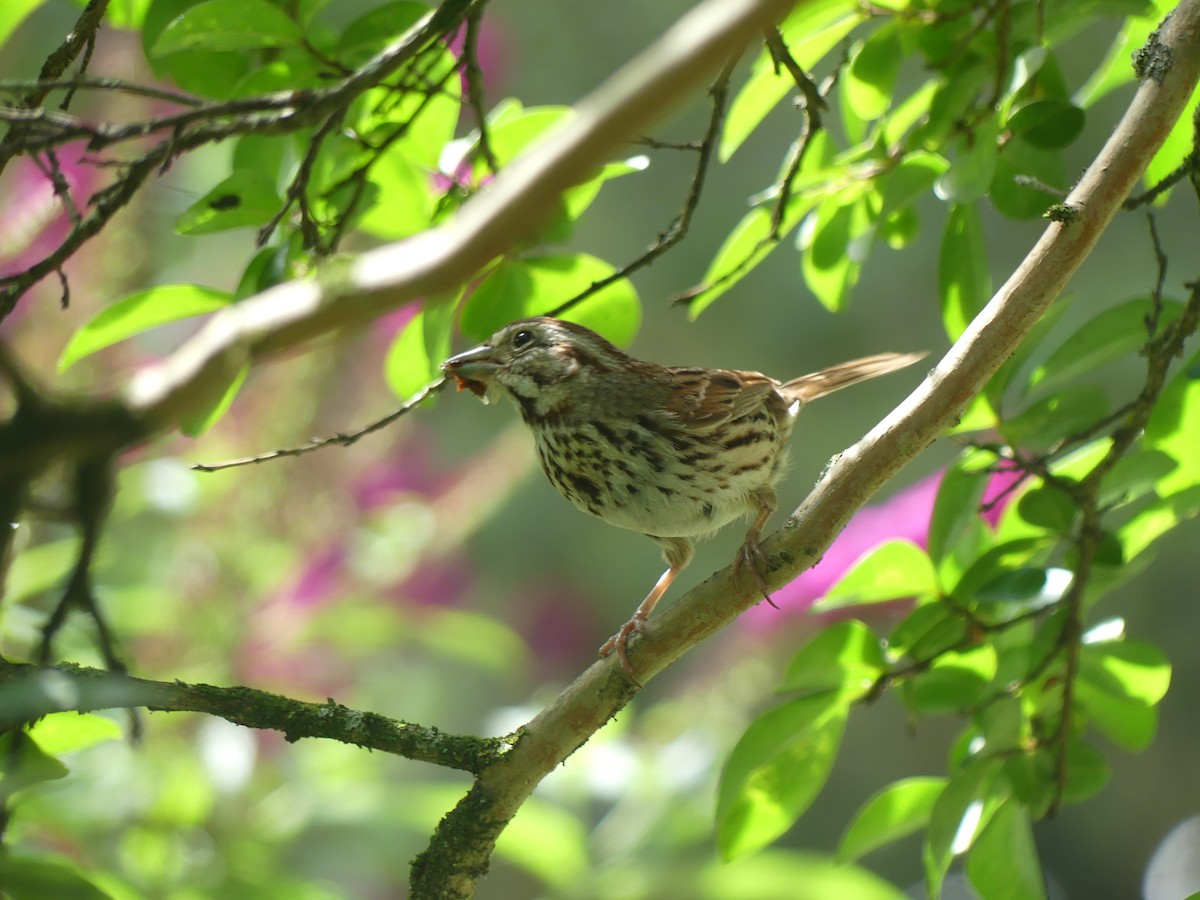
[(427, 124), (745, 247), (893, 570), (1134, 669), (810, 32), (958, 814), (784, 873), (1157, 519), (1021, 171), (973, 168), (219, 25), (1135, 475), (28, 764), (1174, 149), (963, 279), (927, 631), (910, 180), (1003, 559), (208, 414), (1113, 334), (1003, 863), (1174, 429), (1049, 124), (954, 682), (776, 770), (373, 31), (832, 257), (1088, 772), (955, 522), (67, 732), (516, 132), (580, 197), (1063, 414), (1001, 381), (1048, 508), (1128, 723), (844, 657), (140, 312), (900, 809), (1116, 69), (535, 285), (408, 366), (244, 199), (405, 201), (13, 13), (871, 78), (32, 878)]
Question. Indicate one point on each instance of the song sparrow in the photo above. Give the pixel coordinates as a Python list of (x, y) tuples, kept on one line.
[(674, 453)]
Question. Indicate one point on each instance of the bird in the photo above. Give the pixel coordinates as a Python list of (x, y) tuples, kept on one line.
[(674, 453)]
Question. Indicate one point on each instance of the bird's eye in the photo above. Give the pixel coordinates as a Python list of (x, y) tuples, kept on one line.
[(521, 339)]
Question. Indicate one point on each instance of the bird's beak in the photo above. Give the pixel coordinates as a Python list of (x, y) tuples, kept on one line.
[(477, 364)]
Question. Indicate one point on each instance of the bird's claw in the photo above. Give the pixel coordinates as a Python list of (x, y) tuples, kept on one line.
[(620, 643), (751, 555)]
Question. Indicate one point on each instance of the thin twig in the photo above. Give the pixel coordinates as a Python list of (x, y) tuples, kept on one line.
[(341, 439), (718, 95), (475, 91)]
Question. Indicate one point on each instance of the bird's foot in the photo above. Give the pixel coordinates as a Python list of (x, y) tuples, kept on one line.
[(750, 556), (620, 643)]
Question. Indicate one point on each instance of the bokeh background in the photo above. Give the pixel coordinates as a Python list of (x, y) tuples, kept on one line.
[(430, 572)]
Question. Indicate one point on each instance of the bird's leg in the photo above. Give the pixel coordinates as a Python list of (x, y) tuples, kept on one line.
[(678, 553), (750, 554)]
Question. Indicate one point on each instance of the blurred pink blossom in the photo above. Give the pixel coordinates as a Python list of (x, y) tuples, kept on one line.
[(904, 517), (35, 218)]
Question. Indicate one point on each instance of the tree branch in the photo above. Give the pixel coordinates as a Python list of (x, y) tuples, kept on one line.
[(28, 692), (460, 847)]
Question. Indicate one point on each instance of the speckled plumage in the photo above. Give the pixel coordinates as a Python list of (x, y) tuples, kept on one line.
[(675, 453)]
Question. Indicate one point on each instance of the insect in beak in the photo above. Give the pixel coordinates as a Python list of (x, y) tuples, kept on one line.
[(472, 369)]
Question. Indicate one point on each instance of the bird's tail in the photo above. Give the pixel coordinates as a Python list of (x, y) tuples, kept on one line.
[(818, 384)]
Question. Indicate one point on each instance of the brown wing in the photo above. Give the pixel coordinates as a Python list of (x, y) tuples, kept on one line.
[(704, 399), (818, 384)]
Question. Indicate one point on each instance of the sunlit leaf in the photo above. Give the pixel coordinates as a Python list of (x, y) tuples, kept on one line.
[(1174, 429), (1061, 415), (846, 656), (776, 770), (34, 878), (67, 732), (779, 873), (206, 414), (535, 285), (956, 680), (1111, 335), (408, 366), (245, 198), (900, 809), (376, 29), (963, 279), (961, 809), (810, 32), (140, 312), (973, 167), (871, 77), (891, 571), (13, 13), (1003, 863), (227, 25)]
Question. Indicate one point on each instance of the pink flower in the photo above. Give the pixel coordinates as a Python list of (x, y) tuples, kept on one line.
[(904, 517), (36, 219)]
